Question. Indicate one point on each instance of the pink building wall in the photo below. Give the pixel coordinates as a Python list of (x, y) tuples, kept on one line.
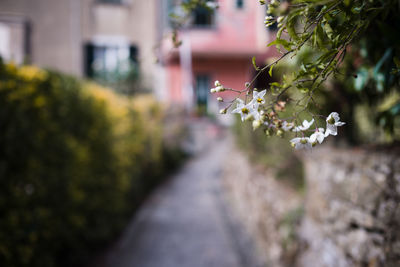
[(223, 51)]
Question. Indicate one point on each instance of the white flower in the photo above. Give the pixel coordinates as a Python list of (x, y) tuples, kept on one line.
[(318, 136), (258, 98), (245, 110), (332, 122), (301, 142), (306, 125), (286, 126)]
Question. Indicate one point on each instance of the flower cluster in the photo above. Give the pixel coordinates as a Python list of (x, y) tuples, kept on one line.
[(218, 87), (256, 111), (270, 20), (319, 135)]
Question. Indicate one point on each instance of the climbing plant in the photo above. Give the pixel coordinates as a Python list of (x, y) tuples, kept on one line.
[(354, 42)]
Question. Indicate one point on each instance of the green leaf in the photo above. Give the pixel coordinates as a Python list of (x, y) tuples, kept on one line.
[(287, 45), (291, 29), (304, 90), (253, 60), (327, 56), (320, 35), (270, 70), (275, 84), (279, 33)]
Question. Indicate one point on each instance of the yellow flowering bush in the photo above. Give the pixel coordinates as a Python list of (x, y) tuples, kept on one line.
[(75, 161)]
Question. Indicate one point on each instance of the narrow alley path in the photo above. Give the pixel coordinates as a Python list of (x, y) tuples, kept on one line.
[(186, 222)]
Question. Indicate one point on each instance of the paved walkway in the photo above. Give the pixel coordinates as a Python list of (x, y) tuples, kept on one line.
[(186, 223)]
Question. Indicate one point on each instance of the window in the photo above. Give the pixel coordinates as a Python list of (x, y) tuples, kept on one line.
[(203, 17), (239, 4), (14, 39), (202, 92), (110, 63), (111, 1)]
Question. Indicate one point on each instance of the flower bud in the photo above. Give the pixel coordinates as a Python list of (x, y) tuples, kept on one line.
[(280, 19), (219, 88), (220, 99), (249, 117), (217, 83), (279, 133), (212, 90), (223, 111), (247, 84), (263, 117), (256, 124)]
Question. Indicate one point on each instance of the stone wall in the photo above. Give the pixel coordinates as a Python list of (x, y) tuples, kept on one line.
[(352, 213), (351, 209), (266, 207)]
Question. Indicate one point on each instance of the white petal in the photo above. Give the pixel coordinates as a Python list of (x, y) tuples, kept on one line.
[(320, 137), (307, 124), (237, 110), (331, 128), (295, 140), (313, 137), (240, 101)]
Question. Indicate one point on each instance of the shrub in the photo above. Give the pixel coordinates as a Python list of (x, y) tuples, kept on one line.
[(75, 160)]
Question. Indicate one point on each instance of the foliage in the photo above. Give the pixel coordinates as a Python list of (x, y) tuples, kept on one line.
[(72, 168), (353, 41)]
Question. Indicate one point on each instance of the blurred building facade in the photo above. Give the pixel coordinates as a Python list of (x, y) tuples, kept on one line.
[(90, 37), (217, 45), (79, 37)]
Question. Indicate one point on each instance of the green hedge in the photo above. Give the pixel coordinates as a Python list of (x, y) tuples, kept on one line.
[(75, 161)]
